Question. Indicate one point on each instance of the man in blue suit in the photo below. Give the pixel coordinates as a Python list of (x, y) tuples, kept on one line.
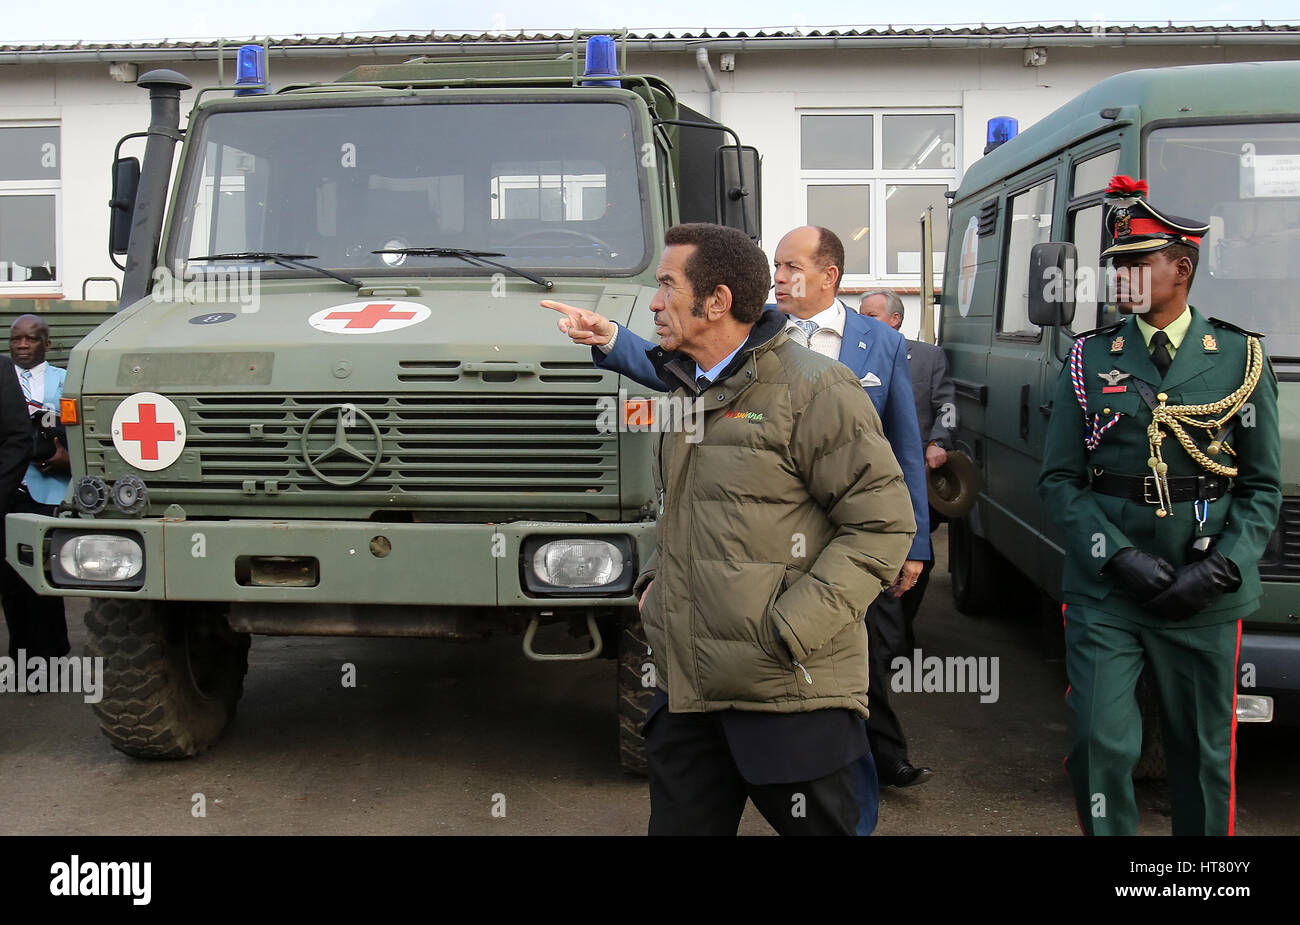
[(808, 267), (36, 624)]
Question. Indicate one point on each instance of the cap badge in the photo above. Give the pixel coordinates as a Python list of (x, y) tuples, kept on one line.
[(1123, 223)]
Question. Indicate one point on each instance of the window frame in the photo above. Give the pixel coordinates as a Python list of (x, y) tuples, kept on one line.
[(1043, 174), (48, 187), (877, 180)]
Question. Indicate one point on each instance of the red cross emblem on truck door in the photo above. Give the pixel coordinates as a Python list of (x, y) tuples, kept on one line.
[(148, 431), (368, 317)]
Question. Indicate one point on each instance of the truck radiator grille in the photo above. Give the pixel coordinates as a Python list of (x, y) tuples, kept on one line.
[(1281, 559), (430, 444)]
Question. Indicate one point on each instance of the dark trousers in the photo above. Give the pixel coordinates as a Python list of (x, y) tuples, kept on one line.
[(36, 624), (696, 789), (1195, 674), (886, 639)]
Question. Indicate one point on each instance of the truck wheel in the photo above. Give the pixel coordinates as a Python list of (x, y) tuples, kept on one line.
[(1151, 762), (634, 696), (173, 674), (974, 566)]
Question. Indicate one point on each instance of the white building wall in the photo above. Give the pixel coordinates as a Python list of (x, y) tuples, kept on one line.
[(760, 99)]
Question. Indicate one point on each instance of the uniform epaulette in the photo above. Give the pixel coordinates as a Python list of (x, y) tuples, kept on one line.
[(1220, 323), (1105, 329)]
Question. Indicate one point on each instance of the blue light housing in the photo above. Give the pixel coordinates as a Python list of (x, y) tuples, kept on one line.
[(602, 62), (1001, 130), (250, 70)]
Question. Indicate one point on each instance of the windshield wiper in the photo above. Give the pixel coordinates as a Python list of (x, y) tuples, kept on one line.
[(293, 261), (472, 257)]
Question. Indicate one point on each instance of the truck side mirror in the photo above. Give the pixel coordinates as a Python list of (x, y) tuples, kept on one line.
[(1051, 283), (738, 181), (126, 179)]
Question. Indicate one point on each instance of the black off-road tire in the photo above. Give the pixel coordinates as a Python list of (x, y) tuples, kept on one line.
[(975, 567), (173, 674), (634, 696)]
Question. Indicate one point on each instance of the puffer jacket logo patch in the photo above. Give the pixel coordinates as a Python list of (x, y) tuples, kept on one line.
[(755, 416)]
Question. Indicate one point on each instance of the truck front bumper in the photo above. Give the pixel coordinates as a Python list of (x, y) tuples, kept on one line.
[(340, 562)]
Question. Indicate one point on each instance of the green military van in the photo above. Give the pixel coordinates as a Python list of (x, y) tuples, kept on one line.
[(329, 403), (1217, 142)]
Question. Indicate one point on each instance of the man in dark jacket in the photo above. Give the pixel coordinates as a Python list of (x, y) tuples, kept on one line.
[(781, 520), (15, 452)]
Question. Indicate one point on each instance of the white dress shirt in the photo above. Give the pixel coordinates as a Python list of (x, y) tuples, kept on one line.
[(33, 388)]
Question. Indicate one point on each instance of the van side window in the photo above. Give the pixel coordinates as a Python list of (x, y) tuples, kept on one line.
[(1031, 223), (1090, 279), (1094, 174)]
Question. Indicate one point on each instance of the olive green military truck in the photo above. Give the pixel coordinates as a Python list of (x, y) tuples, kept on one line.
[(1220, 143), (329, 403)]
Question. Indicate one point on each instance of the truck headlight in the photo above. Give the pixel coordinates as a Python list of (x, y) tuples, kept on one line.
[(98, 559), (578, 564)]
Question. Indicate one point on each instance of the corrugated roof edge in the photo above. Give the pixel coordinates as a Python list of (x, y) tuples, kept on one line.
[(649, 37)]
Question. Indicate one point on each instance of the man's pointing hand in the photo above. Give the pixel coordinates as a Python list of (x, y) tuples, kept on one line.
[(582, 326)]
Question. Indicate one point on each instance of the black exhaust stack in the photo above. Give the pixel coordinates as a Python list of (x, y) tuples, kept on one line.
[(164, 88)]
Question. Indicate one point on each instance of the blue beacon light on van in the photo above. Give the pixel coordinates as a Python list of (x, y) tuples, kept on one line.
[(1001, 130), (602, 62), (250, 70)]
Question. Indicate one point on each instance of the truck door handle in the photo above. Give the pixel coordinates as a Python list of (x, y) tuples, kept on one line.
[(1024, 412)]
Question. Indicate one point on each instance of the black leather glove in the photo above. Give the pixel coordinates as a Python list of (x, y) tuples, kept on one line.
[(1197, 586), (1141, 574)]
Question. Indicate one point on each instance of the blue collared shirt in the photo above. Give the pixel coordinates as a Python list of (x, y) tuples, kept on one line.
[(712, 374)]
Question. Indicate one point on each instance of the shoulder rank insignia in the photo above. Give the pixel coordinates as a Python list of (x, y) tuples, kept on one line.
[(1117, 345), (1104, 329), (1209, 343), (1220, 323)]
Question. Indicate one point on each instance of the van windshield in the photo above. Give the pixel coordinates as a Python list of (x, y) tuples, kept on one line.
[(1244, 179), (550, 185)]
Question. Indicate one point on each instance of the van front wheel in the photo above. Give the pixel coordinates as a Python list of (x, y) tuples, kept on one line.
[(974, 566)]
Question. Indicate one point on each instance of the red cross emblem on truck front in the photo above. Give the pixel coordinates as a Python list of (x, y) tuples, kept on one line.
[(148, 431), (368, 317)]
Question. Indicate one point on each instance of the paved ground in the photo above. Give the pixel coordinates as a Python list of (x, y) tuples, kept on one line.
[(434, 731)]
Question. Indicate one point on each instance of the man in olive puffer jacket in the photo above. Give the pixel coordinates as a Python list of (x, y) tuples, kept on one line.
[(781, 520)]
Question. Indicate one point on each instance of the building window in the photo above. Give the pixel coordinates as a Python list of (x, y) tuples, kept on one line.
[(865, 171), (29, 208)]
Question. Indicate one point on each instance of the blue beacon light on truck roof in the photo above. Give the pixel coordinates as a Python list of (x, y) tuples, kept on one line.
[(1001, 129), (602, 62), (250, 70)]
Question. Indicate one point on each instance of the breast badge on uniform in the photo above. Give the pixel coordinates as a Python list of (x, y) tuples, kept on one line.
[(1117, 345)]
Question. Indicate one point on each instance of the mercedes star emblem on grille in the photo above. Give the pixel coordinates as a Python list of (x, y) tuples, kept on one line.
[(341, 448)]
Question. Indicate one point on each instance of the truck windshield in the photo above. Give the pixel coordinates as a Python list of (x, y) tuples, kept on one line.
[(1244, 179), (553, 186)]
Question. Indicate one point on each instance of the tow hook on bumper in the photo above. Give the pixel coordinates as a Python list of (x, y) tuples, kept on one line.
[(536, 656)]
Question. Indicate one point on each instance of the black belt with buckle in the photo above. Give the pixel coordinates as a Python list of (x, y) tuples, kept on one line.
[(1143, 487)]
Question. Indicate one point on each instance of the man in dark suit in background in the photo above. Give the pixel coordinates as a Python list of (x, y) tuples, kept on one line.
[(936, 413), (15, 452)]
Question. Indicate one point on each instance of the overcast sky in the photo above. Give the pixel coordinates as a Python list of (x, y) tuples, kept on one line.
[(97, 21)]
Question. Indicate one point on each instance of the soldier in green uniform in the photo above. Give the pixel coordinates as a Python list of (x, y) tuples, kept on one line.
[(1162, 463)]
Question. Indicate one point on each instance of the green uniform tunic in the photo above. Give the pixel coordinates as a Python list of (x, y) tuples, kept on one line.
[(1109, 636)]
